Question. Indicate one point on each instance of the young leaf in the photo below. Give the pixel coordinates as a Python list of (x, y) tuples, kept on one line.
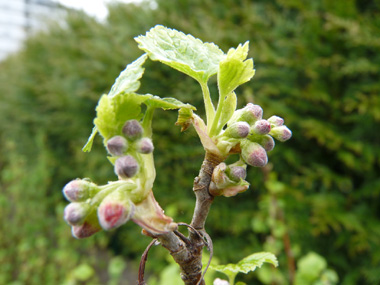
[(87, 147), (128, 80), (113, 112), (182, 52), (234, 70), (247, 264), (167, 103)]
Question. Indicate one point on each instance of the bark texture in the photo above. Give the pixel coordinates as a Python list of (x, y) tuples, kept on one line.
[(187, 251)]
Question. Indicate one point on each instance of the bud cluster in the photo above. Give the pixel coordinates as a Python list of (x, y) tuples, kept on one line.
[(127, 148), (253, 134)]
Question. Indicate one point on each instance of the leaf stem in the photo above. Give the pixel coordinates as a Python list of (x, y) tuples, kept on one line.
[(210, 109), (213, 131), (147, 121)]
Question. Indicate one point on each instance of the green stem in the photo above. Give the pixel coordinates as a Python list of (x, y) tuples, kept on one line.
[(147, 121), (231, 278), (213, 131), (210, 110)]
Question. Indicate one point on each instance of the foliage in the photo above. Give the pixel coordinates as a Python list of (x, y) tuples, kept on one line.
[(317, 62)]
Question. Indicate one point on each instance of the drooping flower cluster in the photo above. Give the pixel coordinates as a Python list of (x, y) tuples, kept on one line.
[(109, 206)]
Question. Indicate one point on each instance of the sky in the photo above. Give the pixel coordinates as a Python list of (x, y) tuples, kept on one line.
[(95, 8)]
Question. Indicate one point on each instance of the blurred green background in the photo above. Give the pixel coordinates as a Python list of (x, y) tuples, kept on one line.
[(316, 205)]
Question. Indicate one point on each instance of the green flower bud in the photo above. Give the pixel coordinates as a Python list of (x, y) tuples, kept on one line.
[(88, 228), (76, 213), (79, 190), (144, 145), (281, 133), (276, 121), (250, 114), (117, 145), (254, 154), (132, 130), (261, 127), (237, 130), (126, 166), (115, 210), (267, 142)]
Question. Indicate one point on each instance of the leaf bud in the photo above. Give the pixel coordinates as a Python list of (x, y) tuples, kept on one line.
[(117, 145), (281, 133), (79, 190), (115, 210), (261, 127), (276, 121), (132, 130), (144, 145), (254, 154), (267, 142), (76, 213), (126, 166), (237, 130)]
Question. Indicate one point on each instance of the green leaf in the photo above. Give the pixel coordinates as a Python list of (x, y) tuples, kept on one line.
[(87, 147), (184, 120), (250, 263), (234, 70), (229, 108), (112, 112), (182, 52), (129, 79), (167, 103)]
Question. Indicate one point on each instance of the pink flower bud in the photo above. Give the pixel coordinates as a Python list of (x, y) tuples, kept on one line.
[(261, 127), (79, 190), (267, 142), (113, 214), (126, 166), (237, 130), (85, 230), (252, 113), (117, 145), (145, 145), (76, 213), (254, 154), (281, 133), (132, 130), (237, 173), (276, 121)]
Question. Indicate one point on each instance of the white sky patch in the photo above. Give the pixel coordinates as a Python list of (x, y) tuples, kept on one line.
[(95, 8)]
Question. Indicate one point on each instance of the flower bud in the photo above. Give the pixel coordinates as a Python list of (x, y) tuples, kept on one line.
[(237, 173), (281, 133), (276, 121), (267, 142), (88, 228), (76, 213), (144, 145), (132, 129), (79, 190), (237, 130), (261, 127), (254, 154), (117, 145), (115, 210), (126, 166), (251, 113)]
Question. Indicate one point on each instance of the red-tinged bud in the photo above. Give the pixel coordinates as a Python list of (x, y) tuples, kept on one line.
[(126, 166), (117, 145), (76, 213), (79, 190), (145, 145), (281, 133), (237, 173), (254, 154), (261, 127), (267, 142), (85, 230), (237, 130), (132, 130), (113, 214), (276, 121)]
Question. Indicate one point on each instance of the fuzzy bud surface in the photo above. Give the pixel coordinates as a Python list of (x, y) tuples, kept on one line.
[(117, 145), (144, 145), (132, 130), (254, 154), (126, 166)]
